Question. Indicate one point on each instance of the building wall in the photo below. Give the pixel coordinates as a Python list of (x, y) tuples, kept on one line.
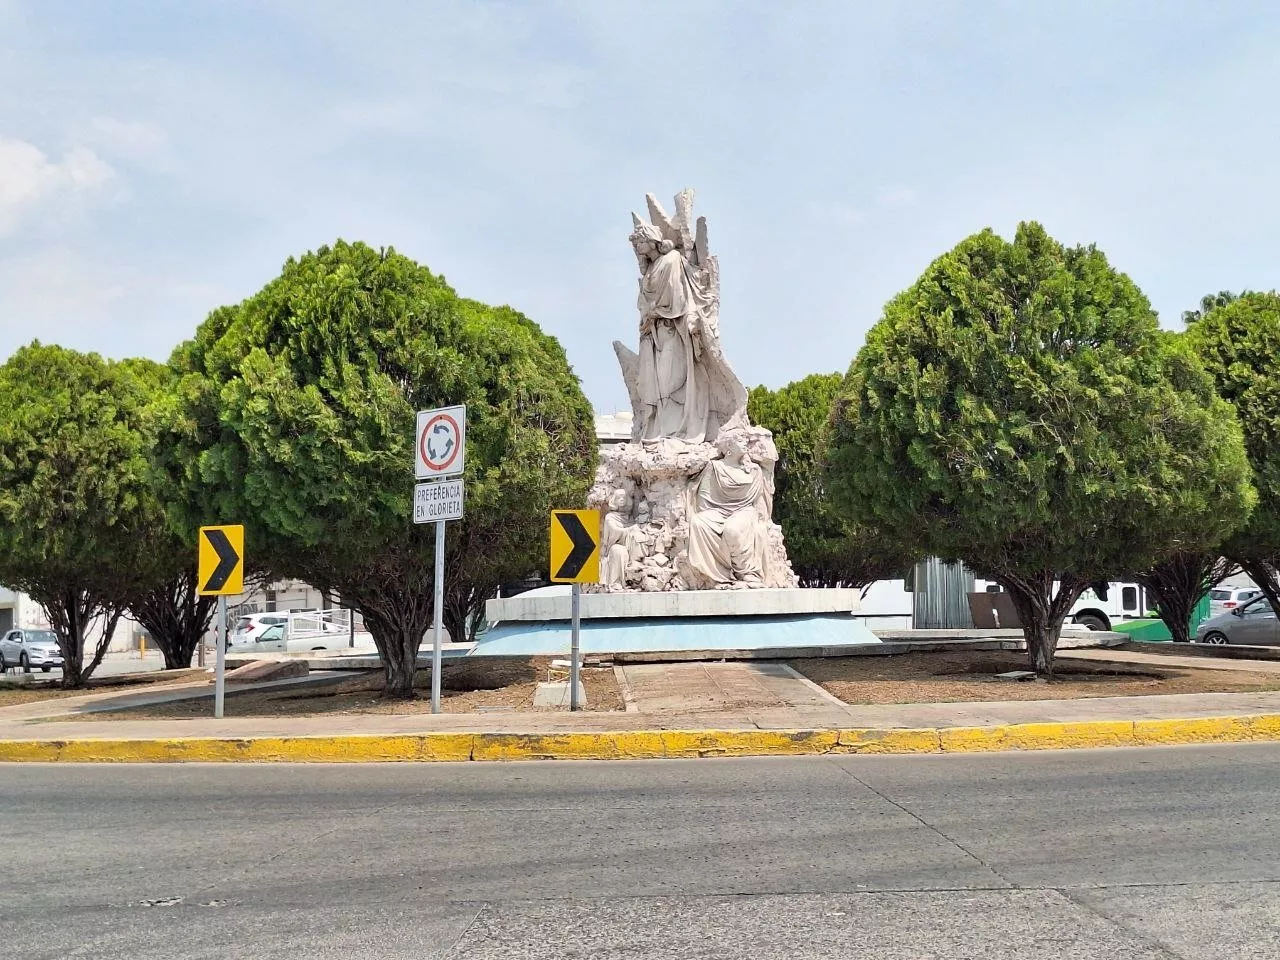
[(19, 611)]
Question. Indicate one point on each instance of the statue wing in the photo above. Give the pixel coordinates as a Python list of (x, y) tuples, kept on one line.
[(682, 224), (659, 218), (629, 361), (700, 253)]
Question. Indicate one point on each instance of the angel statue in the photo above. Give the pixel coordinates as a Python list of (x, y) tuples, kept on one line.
[(680, 383)]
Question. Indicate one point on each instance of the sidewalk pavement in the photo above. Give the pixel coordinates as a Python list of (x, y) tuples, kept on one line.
[(1172, 660), (681, 709)]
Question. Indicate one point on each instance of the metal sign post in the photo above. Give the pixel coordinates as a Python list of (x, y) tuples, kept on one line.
[(440, 451), (575, 648), (437, 606), (220, 671)]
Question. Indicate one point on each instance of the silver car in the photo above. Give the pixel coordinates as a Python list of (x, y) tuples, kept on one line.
[(1252, 623), (30, 648)]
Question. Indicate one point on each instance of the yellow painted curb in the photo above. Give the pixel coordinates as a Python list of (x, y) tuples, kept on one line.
[(648, 744)]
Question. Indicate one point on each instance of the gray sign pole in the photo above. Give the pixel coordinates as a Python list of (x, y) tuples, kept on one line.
[(575, 650), (219, 674), (438, 611)]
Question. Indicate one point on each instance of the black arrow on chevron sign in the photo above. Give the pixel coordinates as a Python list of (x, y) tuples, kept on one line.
[(584, 545), (228, 560)]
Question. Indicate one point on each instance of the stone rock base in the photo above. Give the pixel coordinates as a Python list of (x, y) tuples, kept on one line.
[(642, 490)]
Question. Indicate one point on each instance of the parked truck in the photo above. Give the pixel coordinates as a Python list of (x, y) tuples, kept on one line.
[(298, 632)]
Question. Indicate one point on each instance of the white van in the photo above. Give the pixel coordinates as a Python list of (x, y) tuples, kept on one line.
[(1119, 601), (889, 605)]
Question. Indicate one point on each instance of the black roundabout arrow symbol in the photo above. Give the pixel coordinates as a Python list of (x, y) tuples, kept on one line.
[(584, 545), (228, 559)]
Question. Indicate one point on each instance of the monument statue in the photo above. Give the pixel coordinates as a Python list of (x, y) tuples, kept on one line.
[(622, 541), (680, 384), (687, 503), (729, 509)]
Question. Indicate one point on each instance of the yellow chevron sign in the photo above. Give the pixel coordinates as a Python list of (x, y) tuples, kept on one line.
[(221, 561), (575, 546)]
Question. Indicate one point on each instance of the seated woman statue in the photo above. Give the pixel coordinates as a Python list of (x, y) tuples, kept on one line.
[(728, 509), (621, 542)]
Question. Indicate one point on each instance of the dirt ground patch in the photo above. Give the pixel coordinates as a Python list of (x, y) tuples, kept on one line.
[(477, 685), (966, 676), (132, 683)]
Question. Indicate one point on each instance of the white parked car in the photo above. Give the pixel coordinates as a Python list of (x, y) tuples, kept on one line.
[(1225, 599), (26, 649), (249, 628)]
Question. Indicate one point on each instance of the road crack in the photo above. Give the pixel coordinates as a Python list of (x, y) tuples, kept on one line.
[(1127, 929), (928, 826)]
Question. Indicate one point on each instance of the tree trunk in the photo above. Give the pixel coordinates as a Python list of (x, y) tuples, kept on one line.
[(176, 617), (1267, 576), (400, 676), (463, 612), (455, 623), (70, 614), (174, 659), (399, 662), (67, 615), (110, 619), (1040, 633), (1178, 620), (398, 629), (73, 657), (1177, 585), (1042, 613), (1042, 644), (395, 604)]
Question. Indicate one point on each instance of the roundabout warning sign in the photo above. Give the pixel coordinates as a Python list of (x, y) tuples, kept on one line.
[(440, 448)]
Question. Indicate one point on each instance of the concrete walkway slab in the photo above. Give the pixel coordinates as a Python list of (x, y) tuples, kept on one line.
[(1157, 660), (768, 694)]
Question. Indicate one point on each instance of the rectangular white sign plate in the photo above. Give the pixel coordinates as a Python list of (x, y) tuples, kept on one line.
[(441, 500)]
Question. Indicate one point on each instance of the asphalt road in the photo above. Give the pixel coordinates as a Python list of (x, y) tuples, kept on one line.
[(1138, 854)]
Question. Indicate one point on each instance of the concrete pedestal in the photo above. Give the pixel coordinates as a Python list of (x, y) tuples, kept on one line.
[(674, 621), (676, 603)]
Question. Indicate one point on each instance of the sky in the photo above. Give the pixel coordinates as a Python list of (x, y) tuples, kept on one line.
[(159, 159)]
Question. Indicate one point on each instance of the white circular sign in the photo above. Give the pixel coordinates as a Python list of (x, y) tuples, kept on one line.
[(441, 439)]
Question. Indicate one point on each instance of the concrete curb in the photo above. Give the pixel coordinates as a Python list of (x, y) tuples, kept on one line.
[(648, 744)]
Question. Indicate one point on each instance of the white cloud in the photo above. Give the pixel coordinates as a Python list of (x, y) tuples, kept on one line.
[(133, 139), (834, 213), (28, 178), (75, 293), (897, 196)]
